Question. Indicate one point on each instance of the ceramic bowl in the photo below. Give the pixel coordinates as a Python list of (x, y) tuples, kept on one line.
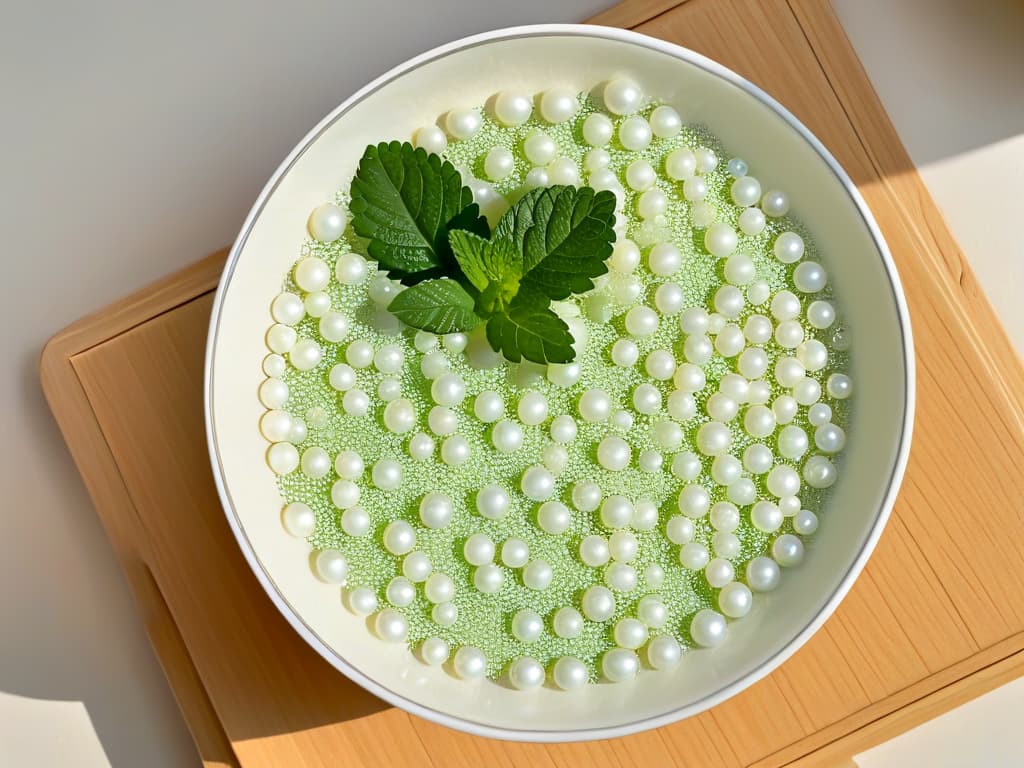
[(786, 155)]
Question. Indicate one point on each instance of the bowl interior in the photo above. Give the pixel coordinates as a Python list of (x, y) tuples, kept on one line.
[(463, 75)]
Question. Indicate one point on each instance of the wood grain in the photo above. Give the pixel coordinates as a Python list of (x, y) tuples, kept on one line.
[(933, 620)]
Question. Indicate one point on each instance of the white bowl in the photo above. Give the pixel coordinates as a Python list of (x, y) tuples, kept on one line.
[(786, 155)]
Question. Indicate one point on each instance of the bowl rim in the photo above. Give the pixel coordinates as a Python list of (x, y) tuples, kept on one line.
[(882, 515)]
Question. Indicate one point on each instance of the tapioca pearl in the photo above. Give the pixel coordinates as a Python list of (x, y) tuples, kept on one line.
[(763, 574), (720, 240), (689, 377), (669, 298), (563, 429), (597, 160), (745, 191), (647, 399), (809, 277), (558, 104), (515, 553), (448, 389), (622, 96), (783, 481), (789, 371), (625, 256), (455, 450), (616, 512), (729, 342), (807, 392), (718, 572), (399, 415), (788, 550), (698, 349), (839, 386), (315, 462), (400, 592), (399, 538), (789, 334), (695, 189), (331, 566), (416, 567), (621, 577), (389, 389), (597, 129), (664, 259), (713, 438), (630, 633), (694, 321), (317, 303), (819, 472), (752, 221), (594, 405), (758, 293), (555, 458), (729, 301), (539, 147), (793, 442), (276, 425), (766, 516), (586, 496), (694, 556), (488, 578), (554, 517), (640, 175), (536, 177), (281, 338), (721, 407), (757, 458), (785, 306), (821, 315), (788, 247), (725, 544), (660, 365), (598, 603), (351, 269), (382, 289), (513, 108), (635, 133), (538, 575), (563, 375), (785, 408), (805, 522), (421, 446), (686, 465), (283, 458), (564, 171), (681, 406), (775, 203), (620, 665), (355, 402), (594, 551), (493, 502), (431, 139), (488, 406), (716, 322), (645, 515), (707, 160), (312, 274), (327, 223), (740, 269), (735, 600), (829, 438), (537, 483), (724, 516), (789, 505), (654, 576), (818, 414), (694, 501), (667, 435), (680, 165), (726, 470), (287, 308), (533, 408), (665, 122), (625, 353), (737, 167), (735, 386), (651, 203), (507, 436), (623, 546), (603, 179), (274, 365), (362, 601), (812, 354), (463, 123), (759, 392), (305, 355)]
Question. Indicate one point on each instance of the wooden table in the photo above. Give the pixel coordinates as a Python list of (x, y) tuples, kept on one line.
[(936, 618)]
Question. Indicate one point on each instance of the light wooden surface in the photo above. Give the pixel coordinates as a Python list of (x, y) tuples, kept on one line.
[(935, 618)]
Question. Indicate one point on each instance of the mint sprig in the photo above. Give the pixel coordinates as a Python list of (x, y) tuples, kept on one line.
[(424, 229)]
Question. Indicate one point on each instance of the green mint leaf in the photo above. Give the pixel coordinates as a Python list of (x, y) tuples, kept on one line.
[(530, 329), (493, 267), (438, 306), (564, 234), (406, 202)]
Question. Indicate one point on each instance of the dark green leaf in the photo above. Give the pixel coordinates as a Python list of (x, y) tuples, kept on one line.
[(564, 234), (530, 329), (405, 202), (439, 306)]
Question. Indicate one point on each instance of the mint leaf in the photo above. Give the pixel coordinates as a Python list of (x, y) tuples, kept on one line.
[(530, 329), (406, 202), (439, 306), (564, 234), (493, 267)]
